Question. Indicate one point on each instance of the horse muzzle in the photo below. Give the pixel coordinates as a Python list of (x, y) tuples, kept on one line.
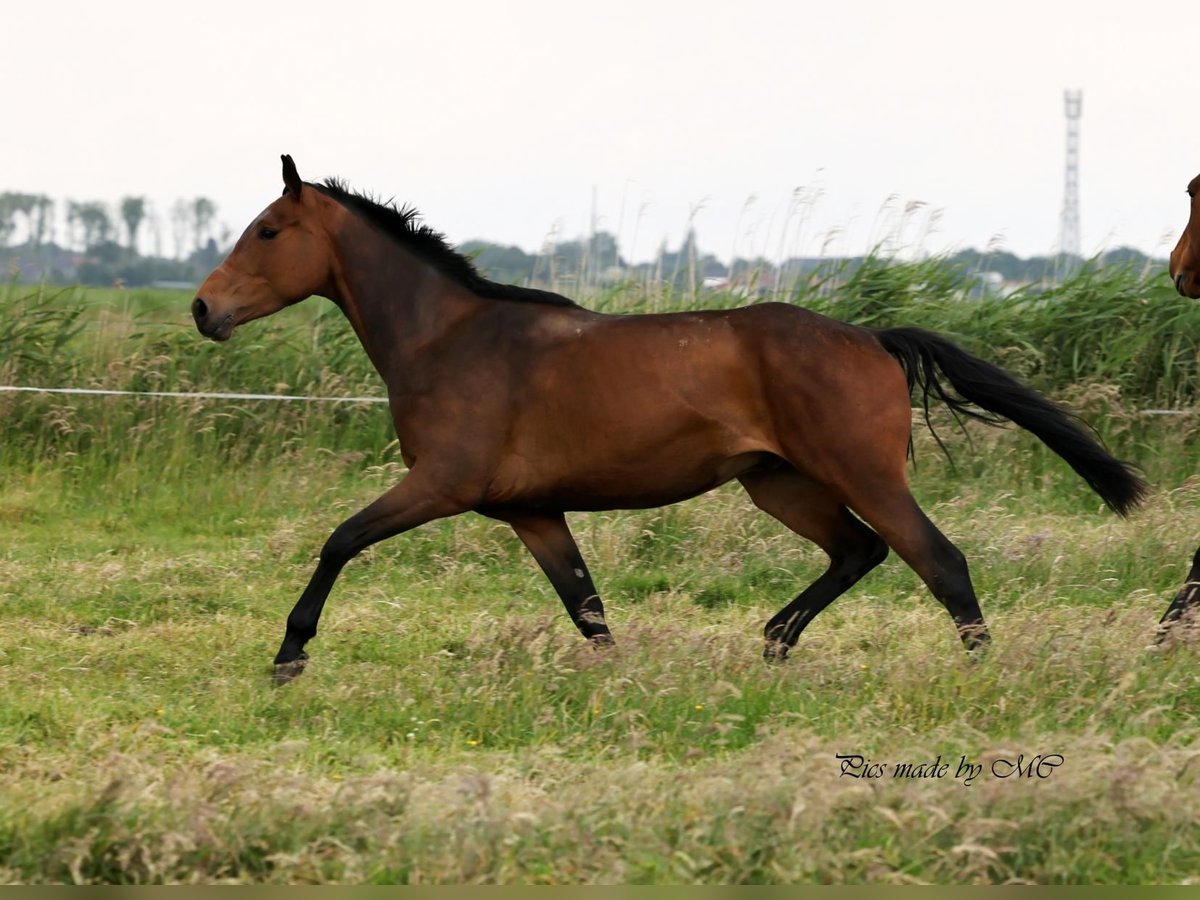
[(211, 324), (1188, 284)]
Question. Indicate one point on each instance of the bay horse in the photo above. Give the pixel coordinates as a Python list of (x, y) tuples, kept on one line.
[(1184, 269), (521, 405)]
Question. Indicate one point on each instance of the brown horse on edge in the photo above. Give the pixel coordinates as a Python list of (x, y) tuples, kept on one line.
[(1184, 265), (1184, 269), (520, 405)]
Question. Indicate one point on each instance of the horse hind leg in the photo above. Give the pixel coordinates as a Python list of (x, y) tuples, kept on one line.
[(892, 511), (811, 511), (1185, 605)]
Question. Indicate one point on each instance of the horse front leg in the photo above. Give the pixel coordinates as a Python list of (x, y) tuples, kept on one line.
[(412, 502), (553, 546), (1185, 604)]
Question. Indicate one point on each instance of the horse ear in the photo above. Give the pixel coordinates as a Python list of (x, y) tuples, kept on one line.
[(291, 178)]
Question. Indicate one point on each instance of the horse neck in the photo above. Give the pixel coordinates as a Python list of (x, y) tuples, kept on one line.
[(396, 302)]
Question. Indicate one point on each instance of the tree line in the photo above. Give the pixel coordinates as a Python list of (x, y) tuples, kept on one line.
[(134, 243), (94, 242), (596, 261), (34, 220)]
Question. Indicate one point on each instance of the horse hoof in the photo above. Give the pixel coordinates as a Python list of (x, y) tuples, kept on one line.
[(775, 651), (602, 641), (285, 672), (1172, 635)]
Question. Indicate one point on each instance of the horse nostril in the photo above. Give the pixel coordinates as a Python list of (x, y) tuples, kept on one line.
[(199, 309)]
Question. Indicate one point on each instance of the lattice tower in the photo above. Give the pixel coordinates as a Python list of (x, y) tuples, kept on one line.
[(1068, 236)]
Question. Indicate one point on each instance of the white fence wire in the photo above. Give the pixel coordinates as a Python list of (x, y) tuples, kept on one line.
[(298, 398), (185, 395)]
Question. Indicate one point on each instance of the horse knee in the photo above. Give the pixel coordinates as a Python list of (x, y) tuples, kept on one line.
[(876, 551), (339, 548), (862, 557)]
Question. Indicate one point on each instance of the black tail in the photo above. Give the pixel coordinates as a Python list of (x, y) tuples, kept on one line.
[(983, 386)]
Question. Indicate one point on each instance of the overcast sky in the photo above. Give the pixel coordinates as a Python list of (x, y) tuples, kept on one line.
[(775, 127)]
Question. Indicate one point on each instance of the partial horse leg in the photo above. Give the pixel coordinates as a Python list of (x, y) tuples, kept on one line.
[(890, 509), (552, 545), (811, 511), (404, 507), (1185, 602)]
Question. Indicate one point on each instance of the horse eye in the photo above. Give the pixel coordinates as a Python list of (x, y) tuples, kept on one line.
[(267, 233)]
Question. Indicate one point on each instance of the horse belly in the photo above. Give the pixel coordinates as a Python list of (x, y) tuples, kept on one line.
[(616, 477)]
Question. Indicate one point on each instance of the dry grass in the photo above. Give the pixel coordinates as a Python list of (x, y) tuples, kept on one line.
[(452, 728)]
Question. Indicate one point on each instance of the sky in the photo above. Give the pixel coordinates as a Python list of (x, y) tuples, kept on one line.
[(771, 128)]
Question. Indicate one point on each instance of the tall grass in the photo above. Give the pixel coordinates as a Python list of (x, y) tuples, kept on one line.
[(1109, 341), (104, 341)]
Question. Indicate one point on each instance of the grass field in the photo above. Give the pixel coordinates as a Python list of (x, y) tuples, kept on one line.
[(452, 726)]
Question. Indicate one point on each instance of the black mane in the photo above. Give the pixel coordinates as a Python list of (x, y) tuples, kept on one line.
[(430, 245)]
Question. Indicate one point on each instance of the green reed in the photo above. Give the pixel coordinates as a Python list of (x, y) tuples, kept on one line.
[(1110, 342)]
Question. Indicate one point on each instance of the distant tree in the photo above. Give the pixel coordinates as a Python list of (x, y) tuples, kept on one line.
[(709, 266), (206, 257), (603, 251), (568, 257), (1006, 264), (8, 211), (96, 223), (73, 239), (679, 269), (89, 223), (108, 252), (39, 218), (662, 260), (31, 208), (586, 259), (154, 223), (133, 212), (203, 212), (181, 219), (12, 204), (1126, 256), (507, 265)]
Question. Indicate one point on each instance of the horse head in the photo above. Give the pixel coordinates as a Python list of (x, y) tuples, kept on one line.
[(1185, 258), (282, 257)]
